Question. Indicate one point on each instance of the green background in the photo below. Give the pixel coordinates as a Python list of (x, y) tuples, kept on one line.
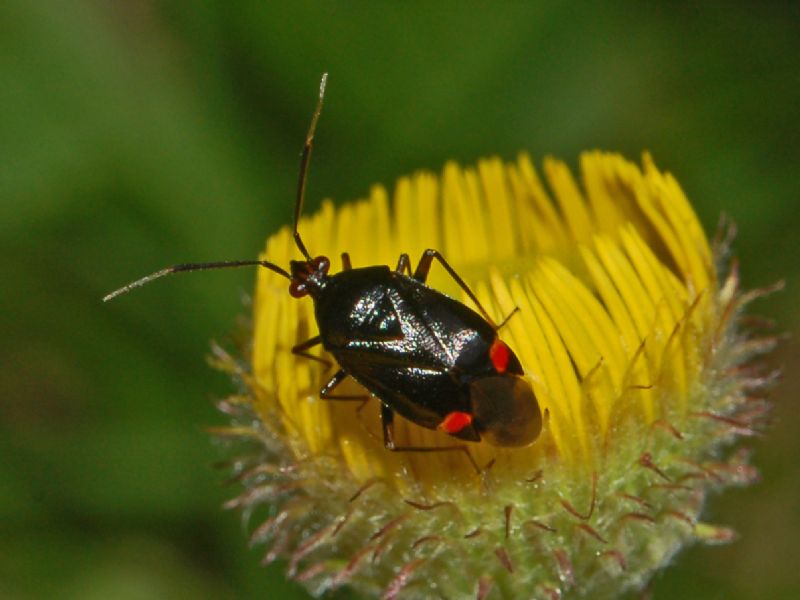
[(140, 133)]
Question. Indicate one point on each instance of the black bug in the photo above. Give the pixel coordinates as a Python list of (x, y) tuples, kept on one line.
[(433, 360)]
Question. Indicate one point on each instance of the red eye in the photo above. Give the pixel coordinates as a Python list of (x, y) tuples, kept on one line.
[(499, 355), (321, 263), (297, 289)]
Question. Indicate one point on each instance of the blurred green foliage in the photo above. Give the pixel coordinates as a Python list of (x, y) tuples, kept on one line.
[(141, 133)]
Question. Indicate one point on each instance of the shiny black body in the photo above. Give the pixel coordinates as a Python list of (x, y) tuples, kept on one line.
[(411, 346)]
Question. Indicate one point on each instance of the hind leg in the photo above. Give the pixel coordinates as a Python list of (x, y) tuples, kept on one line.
[(387, 422)]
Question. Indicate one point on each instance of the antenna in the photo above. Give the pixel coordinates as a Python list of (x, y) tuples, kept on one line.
[(304, 160), (298, 209), (228, 264)]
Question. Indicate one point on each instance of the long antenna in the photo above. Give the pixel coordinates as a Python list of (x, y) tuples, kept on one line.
[(298, 209), (195, 267), (304, 160)]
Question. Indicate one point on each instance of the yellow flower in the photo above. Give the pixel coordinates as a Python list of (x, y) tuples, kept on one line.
[(627, 334)]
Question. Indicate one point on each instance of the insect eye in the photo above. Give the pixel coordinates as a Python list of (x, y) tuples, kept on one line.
[(321, 263), (297, 289)]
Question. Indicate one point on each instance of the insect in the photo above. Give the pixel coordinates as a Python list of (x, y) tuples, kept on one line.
[(422, 354)]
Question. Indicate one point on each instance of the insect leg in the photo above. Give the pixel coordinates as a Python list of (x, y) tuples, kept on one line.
[(404, 264), (511, 314), (387, 421), (339, 377), (300, 350), (346, 264), (424, 266)]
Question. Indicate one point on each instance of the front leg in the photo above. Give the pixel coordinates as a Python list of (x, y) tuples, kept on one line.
[(404, 264), (301, 350)]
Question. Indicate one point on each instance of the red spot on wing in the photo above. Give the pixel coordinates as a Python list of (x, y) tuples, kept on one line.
[(455, 422), (499, 355)]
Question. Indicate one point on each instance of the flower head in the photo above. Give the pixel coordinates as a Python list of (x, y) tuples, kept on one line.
[(626, 333)]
